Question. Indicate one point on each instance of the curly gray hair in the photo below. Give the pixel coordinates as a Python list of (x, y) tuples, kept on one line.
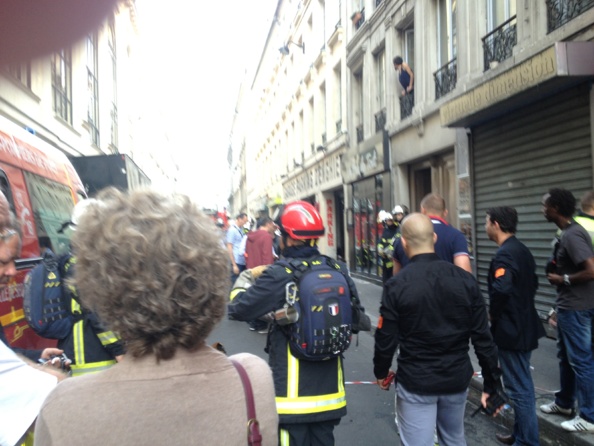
[(153, 269)]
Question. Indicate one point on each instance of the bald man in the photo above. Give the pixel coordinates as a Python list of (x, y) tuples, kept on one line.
[(429, 309)]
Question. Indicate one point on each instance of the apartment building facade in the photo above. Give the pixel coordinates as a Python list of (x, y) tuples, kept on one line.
[(502, 111), (82, 99)]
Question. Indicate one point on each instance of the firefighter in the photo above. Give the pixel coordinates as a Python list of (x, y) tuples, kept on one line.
[(89, 345), (310, 395), (385, 247)]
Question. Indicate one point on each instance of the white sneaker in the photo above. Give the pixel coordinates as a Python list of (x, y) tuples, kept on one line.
[(553, 408), (578, 425)]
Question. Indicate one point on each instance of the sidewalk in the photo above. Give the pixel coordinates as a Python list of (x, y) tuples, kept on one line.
[(545, 375)]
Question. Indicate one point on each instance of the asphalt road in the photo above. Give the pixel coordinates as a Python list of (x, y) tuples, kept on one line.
[(370, 417)]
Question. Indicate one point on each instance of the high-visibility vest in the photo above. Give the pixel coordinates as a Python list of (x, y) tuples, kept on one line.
[(587, 224), (294, 404), (80, 366)]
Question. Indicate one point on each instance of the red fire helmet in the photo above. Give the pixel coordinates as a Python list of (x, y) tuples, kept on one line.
[(301, 221)]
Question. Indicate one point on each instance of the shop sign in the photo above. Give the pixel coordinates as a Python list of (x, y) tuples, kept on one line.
[(525, 75), (315, 178)]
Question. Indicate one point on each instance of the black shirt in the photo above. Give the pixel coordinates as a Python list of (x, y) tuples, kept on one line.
[(432, 308)]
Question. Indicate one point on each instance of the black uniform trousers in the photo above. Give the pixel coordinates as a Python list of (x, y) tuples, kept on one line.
[(309, 434)]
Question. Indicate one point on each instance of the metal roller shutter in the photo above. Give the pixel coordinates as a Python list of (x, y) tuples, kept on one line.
[(516, 158)]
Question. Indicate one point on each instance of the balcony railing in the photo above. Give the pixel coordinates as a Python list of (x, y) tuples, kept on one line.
[(380, 121), (407, 102), (359, 133), (445, 79), (499, 43), (559, 12)]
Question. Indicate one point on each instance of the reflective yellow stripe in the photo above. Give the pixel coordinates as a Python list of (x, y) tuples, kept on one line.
[(235, 292), (107, 337), (294, 404), (311, 404), (292, 375), (77, 336), (93, 367), (285, 439)]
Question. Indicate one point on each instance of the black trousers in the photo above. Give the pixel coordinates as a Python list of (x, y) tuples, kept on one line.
[(310, 434)]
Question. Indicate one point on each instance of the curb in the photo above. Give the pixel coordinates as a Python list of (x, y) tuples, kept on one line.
[(549, 429)]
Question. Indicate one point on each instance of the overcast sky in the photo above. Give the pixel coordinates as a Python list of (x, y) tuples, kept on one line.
[(199, 52)]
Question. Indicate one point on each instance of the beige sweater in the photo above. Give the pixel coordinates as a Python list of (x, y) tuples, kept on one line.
[(193, 399)]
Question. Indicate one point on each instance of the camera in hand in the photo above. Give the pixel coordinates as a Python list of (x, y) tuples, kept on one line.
[(494, 402), (64, 361)]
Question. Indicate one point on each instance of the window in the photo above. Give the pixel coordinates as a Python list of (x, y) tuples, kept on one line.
[(498, 11), (409, 47), (337, 99), (62, 84), (111, 42), (358, 105), (321, 113), (92, 89), (502, 37), (311, 129), (380, 66), (52, 205), (447, 30), (22, 72)]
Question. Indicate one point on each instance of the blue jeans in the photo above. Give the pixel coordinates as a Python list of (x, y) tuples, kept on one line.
[(418, 415), (576, 364), (518, 383)]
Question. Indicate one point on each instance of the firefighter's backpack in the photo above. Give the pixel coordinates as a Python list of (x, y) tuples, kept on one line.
[(321, 295), (46, 301)]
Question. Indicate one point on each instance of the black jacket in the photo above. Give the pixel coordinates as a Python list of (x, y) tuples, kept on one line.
[(512, 285), (431, 309), (318, 384)]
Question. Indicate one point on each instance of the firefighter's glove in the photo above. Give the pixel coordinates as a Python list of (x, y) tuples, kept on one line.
[(258, 270), (247, 278)]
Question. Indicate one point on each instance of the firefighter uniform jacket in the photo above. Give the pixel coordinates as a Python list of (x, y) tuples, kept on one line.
[(386, 245), (306, 391), (90, 346)]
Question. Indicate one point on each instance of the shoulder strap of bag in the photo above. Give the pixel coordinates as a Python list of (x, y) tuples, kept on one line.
[(254, 437)]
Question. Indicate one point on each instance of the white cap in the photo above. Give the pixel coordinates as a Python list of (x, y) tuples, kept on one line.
[(398, 210)]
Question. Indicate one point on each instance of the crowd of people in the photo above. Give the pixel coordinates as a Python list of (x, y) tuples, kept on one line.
[(152, 281)]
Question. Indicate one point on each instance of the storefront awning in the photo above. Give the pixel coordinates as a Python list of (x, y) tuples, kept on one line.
[(556, 68)]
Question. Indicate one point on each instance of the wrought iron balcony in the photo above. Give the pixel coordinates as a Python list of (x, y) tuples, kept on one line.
[(359, 133), (499, 43), (407, 102), (380, 120), (559, 12), (445, 78)]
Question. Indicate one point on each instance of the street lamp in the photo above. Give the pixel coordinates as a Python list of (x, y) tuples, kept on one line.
[(285, 48)]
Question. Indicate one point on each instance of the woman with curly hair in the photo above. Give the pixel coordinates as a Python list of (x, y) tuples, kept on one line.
[(153, 269)]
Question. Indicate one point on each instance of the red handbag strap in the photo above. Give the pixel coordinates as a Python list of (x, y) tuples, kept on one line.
[(253, 434)]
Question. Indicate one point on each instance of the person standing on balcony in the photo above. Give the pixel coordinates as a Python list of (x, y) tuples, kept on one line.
[(406, 78)]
